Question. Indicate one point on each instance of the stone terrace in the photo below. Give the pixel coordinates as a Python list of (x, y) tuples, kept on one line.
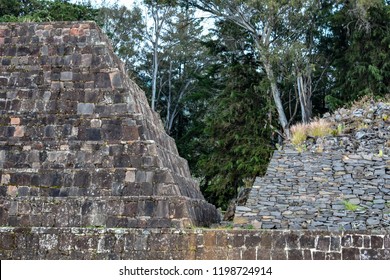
[(79, 145)]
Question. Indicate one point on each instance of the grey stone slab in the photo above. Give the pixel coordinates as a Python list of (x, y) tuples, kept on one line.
[(85, 108)]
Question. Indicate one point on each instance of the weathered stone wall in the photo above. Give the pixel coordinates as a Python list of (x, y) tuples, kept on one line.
[(200, 244), (79, 144), (334, 183)]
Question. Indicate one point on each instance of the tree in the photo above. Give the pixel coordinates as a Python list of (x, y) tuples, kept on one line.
[(357, 45), (161, 12), (181, 63), (228, 140), (44, 10), (126, 29), (274, 26)]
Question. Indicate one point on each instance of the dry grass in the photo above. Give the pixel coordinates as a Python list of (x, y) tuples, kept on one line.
[(299, 133), (317, 128)]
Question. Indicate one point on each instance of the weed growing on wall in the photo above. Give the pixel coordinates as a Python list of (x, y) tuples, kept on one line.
[(350, 206)]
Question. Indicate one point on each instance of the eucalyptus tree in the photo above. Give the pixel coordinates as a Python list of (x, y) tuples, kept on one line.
[(182, 61), (277, 29), (126, 29), (229, 141), (161, 12)]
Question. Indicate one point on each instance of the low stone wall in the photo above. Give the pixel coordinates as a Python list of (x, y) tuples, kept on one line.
[(195, 244)]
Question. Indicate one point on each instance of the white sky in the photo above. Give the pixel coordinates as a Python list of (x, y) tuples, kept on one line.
[(127, 3), (207, 23)]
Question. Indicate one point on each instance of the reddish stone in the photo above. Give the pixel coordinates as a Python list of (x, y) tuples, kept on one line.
[(76, 32), (15, 121)]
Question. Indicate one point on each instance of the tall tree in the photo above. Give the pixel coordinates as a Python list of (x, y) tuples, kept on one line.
[(230, 140), (357, 44), (274, 26), (161, 12), (182, 61), (126, 28)]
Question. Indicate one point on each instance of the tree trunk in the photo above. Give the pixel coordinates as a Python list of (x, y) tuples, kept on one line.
[(304, 92), (155, 71), (277, 99)]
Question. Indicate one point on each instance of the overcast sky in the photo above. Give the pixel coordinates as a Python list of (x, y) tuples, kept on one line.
[(127, 3), (208, 23)]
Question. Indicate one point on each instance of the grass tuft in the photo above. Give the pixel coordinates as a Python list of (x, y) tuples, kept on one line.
[(350, 206), (299, 134), (319, 128)]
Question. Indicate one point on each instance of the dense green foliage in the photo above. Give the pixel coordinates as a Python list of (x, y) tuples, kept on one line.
[(359, 50), (45, 10)]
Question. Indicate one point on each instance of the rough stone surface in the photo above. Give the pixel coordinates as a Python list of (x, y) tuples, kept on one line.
[(198, 244), (339, 182), (79, 145)]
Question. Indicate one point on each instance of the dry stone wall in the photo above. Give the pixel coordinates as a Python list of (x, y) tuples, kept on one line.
[(339, 182), (79, 144)]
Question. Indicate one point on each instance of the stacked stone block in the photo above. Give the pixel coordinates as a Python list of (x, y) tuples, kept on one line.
[(339, 182), (198, 244), (79, 145)]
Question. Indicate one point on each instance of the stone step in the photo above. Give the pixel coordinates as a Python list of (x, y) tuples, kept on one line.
[(96, 182), (114, 211), (85, 33)]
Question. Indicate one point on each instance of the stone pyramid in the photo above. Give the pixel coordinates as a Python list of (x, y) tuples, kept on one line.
[(79, 144)]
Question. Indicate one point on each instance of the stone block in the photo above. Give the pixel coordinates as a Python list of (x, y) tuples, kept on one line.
[(5, 178), (278, 239), (252, 241), (102, 80), (335, 243), (292, 240), (66, 76), (116, 80), (350, 254), (307, 255), (386, 241), (357, 241), (250, 254), (15, 121), (319, 255), (346, 241), (19, 131), (333, 256), (295, 254), (323, 243), (367, 241), (374, 254), (85, 108), (279, 254), (377, 242)]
